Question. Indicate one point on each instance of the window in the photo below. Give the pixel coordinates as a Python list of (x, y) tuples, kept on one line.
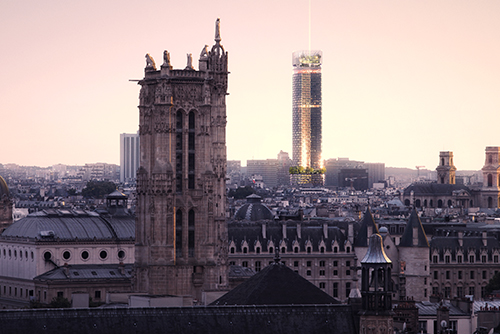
[(178, 227), (121, 254), (295, 249), (495, 258), (484, 274), (460, 292), (103, 254), (47, 256), (483, 258), (66, 255), (245, 250), (97, 294), (60, 294), (459, 258), (335, 263), (447, 259), (244, 264), (471, 258), (472, 274), (283, 250), (425, 280), (85, 255), (435, 290), (321, 263), (322, 250), (191, 222), (335, 273), (435, 274), (322, 285), (347, 289), (308, 250), (447, 292), (308, 263), (434, 259), (460, 274), (447, 274), (257, 266), (471, 290), (232, 263), (348, 272), (308, 273), (295, 263), (321, 273), (348, 249), (335, 249), (335, 289)]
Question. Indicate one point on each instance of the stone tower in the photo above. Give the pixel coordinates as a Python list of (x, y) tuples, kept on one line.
[(181, 231), (446, 170), (490, 193), (376, 292)]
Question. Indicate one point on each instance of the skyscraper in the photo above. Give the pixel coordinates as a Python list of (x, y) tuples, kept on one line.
[(129, 156), (307, 109), (181, 230)]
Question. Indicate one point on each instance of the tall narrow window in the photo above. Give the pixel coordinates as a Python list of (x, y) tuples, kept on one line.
[(191, 147), (191, 233), (178, 233), (490, 180), (178, 151)]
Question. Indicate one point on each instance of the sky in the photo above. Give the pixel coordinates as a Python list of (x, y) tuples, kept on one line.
[(401, 80)]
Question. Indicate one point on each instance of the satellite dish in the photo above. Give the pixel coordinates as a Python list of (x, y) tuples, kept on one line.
[(443, 323)]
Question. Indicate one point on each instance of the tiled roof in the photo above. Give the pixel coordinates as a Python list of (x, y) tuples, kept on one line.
[(276, 284), (407, 237)]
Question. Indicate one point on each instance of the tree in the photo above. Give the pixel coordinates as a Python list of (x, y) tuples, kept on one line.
[(59, 302), (98, 189), (493, 284)]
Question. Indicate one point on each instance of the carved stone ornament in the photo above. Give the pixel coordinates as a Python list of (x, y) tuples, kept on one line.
[(150, 63)]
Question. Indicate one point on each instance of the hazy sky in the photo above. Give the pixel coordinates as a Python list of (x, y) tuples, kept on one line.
[(402, 80)]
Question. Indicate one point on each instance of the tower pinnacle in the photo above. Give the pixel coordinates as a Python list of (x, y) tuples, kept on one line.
[(217, 31)]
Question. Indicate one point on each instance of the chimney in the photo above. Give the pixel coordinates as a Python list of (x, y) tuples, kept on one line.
[(484, 237), (325, 230), (264, 234), (283, 229), (461, 238), (66, 270), (121, 268), (350, 232), (299, 231)]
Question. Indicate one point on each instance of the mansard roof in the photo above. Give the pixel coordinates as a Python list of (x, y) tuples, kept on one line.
[(51, 225), (362, 237), (443, 243), (276, 284), (87, 272), (407, 237), (433, 189), (312, 232)]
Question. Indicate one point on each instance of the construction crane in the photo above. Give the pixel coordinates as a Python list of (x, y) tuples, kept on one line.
[(418, 171)]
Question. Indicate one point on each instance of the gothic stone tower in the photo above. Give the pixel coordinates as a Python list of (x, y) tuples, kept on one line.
[(181, 231), (446, 170), (490, 193)]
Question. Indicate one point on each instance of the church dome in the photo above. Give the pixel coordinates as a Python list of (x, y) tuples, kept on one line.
[(254, 210), (4, 189)]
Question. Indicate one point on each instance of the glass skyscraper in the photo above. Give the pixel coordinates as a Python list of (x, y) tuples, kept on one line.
[(307, 109)]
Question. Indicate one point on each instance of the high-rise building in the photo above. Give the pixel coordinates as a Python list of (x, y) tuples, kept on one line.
[(181, 230), (307, 109), (129, 156)]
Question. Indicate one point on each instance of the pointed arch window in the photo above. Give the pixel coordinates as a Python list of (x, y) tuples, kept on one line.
[(178, 151), (178, 233), (191, 150), (191, 239)]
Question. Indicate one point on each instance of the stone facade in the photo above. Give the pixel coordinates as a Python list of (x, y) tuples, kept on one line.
[(490, 193), (181, 232), (446, 170)]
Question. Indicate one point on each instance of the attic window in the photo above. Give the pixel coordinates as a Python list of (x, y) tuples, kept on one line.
[(232, 250), (94, 273), (335, 249), (348, 249), (111, 272), (76, 273)]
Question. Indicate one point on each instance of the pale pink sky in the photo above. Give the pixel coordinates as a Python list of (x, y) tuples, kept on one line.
[(402, 80)]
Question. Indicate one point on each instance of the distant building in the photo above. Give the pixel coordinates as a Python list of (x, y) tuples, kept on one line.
[(129, 156), (6, 205), (306, 108), (268, 169)]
